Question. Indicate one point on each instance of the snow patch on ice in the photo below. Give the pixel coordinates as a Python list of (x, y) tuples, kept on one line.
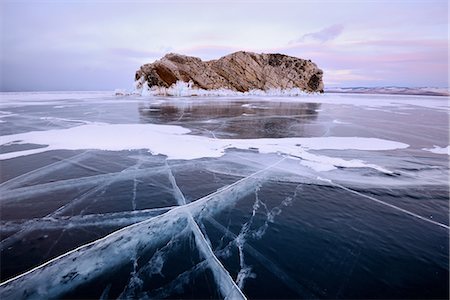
[(63, 106), (321, 163), (438, 150), (254, 106), (175, 143), (317, 166)]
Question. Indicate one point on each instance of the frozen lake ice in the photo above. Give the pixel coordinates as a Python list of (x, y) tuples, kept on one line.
[(316, 196)]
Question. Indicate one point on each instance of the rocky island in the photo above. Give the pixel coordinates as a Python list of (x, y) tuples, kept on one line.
[(240, 71)]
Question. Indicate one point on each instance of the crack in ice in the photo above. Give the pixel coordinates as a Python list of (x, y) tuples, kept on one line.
[(135, 182), (43, 171), (102, 183), (265, 262), (81, 221), (227, 287), (385, 203), (22, 193), (104, 254), (240, 240)]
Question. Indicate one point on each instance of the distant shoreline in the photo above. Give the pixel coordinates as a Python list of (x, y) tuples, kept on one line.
[(441, 92), (390, 91)]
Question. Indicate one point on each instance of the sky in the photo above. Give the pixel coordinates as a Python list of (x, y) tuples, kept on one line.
[(99, 44)]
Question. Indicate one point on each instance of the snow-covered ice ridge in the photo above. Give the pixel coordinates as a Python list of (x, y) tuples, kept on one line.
[(186, 89), (160, 139)]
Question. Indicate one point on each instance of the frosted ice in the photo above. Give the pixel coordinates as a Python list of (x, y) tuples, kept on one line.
[(186, 89)]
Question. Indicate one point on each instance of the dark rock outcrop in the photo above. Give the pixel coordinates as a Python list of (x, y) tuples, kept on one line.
[(240, 71)]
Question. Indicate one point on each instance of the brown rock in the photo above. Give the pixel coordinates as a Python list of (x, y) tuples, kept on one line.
[(240, 71)]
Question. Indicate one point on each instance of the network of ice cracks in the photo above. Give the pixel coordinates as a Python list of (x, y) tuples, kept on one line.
[(142, 230)]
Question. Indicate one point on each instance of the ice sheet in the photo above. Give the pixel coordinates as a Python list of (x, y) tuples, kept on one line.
[(60, 275), (326, 165)]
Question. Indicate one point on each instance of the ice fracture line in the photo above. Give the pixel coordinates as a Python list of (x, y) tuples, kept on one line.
[(60, 275), (228, 289), (43, 171), (384, 203)]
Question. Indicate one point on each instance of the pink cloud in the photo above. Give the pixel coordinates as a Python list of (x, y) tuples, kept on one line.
[(324, 35)]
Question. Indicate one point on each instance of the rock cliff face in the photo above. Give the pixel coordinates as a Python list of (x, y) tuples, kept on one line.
[(240, 71)]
